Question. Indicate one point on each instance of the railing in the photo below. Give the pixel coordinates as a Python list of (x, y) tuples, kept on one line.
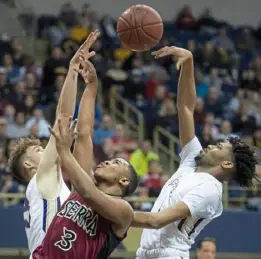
[(166, 143), (122, 110), (227, 200)]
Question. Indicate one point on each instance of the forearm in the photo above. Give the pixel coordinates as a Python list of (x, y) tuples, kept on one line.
[(78, 177), (144, 220), (66, 103), (186, 87), (87, 109)]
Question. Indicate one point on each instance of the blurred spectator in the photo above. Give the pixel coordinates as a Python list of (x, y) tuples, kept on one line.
[(134, 86), (211, 122), (122, 143), (39, 124), (17, 53), (154, 179), (243, 122), (207, 56), (199, 113), (206, 248), (115, 77), (106, 130), (213, 78), (140, 158), (56, 33), (167, 115), (206, 135), (234, 104), (202, 87), (223, 41), (108, 28), (17, 129), (9, 113), (53, 65), (185, 19), (80, 31), (225, 131), (214, 103), (11, 186), (246, 41), (12, 71), (3, 126), (251, 81), (68, 14)]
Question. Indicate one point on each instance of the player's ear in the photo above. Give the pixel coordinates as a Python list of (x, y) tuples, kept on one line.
[(27, 165), (227, 165), (124, 181)]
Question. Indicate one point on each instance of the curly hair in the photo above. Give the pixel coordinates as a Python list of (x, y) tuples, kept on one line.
[(18, 153), (245, 162)]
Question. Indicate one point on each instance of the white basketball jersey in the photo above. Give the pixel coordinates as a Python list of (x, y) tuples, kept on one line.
[(39, 212), (201, 192)]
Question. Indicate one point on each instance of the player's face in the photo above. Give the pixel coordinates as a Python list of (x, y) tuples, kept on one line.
[(34, 154), (207, 250), (215, 155), (112, 171)]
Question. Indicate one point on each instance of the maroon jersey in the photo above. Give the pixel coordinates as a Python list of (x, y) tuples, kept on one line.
[(77, 232)]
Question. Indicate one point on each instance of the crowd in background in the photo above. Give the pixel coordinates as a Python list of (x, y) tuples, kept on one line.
[(227, 74)]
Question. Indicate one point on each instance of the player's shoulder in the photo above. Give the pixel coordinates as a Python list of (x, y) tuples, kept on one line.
[(205, 179), (126, 209)]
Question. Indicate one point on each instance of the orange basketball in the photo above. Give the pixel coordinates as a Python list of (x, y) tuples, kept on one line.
[(140, 28)]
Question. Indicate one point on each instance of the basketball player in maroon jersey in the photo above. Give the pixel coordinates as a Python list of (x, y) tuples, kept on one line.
[(94, 219)]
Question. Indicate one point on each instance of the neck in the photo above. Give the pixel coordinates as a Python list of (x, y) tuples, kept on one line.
[(110, 190), (215, 171)]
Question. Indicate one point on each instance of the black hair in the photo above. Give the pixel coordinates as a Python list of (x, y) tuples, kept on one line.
[(134, 181), (206, 239), (245, 162)]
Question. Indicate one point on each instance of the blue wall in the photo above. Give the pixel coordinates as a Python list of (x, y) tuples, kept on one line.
[(237, 232)]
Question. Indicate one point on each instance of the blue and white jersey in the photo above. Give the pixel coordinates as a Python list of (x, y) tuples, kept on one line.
[(39, 212)]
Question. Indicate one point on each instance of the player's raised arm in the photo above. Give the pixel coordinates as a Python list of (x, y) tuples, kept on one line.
[(186, 99), (83, 147), (46, 175), (116, 210)]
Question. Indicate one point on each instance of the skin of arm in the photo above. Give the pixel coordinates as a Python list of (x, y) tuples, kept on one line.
[(48, 173), (186, 102), (83, 147), (156, 220)]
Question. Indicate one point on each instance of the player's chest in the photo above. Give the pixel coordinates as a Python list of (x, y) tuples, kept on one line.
[(173, 192)]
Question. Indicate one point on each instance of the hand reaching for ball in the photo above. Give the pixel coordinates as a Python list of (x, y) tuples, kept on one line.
[(182, 55)]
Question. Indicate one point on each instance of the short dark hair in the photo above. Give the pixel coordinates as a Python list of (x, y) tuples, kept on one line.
[(17, 154), (134, 181), (245, 162), (206, 239)]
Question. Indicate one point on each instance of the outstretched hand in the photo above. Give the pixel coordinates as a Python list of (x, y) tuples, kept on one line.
[(87, 70), (181, 54), (64, 133), (84, 50)]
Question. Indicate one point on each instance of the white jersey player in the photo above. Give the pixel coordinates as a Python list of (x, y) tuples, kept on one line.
[(193, 195), (29, 162)]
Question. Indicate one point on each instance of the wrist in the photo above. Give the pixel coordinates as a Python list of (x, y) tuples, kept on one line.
[(64, 151)]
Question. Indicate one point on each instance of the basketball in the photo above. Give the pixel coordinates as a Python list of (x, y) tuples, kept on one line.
[(140, 28)]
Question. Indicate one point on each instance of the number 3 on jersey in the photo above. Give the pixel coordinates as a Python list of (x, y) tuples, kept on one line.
[(27, 217), (67, 240)]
